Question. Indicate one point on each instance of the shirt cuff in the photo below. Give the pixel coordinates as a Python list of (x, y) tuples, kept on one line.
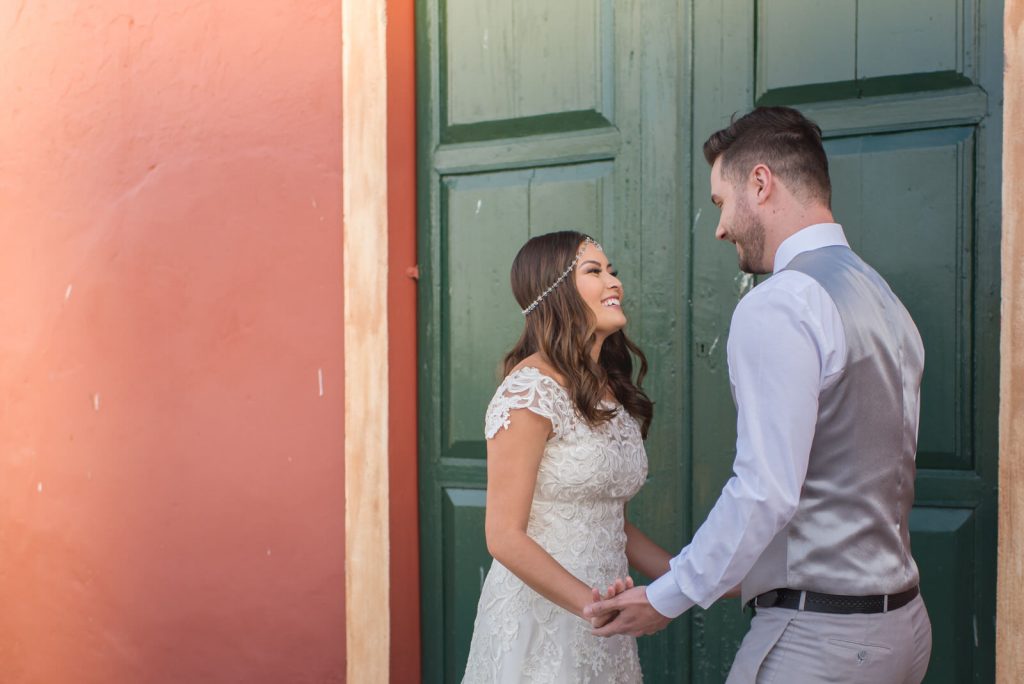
[(665, 597)]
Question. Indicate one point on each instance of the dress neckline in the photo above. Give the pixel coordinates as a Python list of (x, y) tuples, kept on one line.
[(565, 390)]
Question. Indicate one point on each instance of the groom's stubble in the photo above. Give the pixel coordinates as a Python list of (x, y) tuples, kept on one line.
[(748, 234)]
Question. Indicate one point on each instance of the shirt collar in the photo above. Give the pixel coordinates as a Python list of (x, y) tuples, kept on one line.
[(804, 240)]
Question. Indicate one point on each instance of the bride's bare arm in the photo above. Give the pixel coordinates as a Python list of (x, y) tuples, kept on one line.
[(644, 554), (513, 457)]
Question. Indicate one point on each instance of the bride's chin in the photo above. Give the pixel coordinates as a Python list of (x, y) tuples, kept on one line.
[(614, 327)]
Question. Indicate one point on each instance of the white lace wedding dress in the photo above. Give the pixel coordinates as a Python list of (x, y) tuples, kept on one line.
[(585, 477)]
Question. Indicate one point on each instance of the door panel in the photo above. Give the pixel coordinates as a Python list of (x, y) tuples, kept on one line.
[(489, 217), (810, 52), (529, 59), (467, 563), (944, 545), (522, 68), (909, 194)]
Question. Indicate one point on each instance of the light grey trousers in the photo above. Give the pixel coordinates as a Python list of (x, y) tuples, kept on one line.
[(802, 647)]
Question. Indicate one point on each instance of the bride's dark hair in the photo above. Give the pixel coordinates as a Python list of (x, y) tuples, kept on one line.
[(562, 328)]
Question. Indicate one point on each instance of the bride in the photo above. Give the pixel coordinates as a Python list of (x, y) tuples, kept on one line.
[(565, 453)]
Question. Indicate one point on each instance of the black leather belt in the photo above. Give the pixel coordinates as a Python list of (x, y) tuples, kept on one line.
[(833, 603)]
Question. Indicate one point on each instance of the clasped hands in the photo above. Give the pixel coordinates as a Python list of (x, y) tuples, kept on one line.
[(624, 609)]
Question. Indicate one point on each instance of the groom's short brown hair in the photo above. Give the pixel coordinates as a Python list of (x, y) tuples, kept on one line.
[(781, 138)]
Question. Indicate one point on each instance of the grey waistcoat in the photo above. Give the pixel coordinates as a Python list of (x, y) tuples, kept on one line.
[(849, 534)]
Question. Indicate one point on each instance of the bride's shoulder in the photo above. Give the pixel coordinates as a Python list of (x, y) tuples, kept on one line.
[(536, 367), (531, 385)]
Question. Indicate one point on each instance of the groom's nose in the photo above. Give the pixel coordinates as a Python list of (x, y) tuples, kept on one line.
[(720, 231)]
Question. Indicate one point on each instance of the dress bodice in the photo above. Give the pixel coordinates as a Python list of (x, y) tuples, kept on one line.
[(585, 477)]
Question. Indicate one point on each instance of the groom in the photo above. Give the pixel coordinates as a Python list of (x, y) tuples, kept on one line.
[(825, 365)]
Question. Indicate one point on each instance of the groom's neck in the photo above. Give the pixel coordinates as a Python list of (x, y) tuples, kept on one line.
[(785, 222)]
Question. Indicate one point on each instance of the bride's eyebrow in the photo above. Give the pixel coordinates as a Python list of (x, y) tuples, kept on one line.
[(591, 261)]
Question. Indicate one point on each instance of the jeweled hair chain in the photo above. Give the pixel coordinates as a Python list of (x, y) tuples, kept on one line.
[(565, 274)]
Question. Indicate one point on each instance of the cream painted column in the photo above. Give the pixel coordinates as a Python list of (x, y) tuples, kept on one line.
[(1010, 588), (365, 174)]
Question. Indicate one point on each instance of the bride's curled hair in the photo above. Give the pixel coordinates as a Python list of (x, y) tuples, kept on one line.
[(562, 328)]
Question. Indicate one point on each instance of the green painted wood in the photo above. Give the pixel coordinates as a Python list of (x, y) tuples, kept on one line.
[(910, 36), (527, 58), (467, 562), (905, 111), (512, 145), (864, 87), (652, 229), (861, 47), (542, 124), (724, 48), (790, 30), (541, 150), (914, 141), (488, 217), (913, 189), (942, 538), (986, 68)]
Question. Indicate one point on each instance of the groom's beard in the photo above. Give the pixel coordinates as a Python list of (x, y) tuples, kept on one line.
[(748, 234)]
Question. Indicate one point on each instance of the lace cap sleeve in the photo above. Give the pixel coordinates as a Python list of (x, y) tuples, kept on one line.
[(530, 389)]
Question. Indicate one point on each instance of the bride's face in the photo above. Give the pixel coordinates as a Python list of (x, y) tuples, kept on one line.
[(599, 287)]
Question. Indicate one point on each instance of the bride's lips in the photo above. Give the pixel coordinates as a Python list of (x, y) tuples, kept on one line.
[(614, 300)]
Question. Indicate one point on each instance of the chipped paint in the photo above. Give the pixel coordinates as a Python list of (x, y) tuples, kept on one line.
[(744, 283), (714, 345)]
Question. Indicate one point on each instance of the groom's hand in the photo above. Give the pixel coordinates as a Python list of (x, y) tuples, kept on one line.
[(635, 614), (614, 589)]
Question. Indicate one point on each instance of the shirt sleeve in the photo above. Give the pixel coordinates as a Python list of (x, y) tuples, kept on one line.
[(775, 367)]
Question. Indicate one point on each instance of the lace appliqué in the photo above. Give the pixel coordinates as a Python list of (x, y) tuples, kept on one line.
[(584, 479), (528, 388)]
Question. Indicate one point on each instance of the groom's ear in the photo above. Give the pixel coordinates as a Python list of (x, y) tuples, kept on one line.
[(762, 182)]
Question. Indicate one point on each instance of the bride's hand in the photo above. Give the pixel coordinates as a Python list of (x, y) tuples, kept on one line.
[(614, 589)]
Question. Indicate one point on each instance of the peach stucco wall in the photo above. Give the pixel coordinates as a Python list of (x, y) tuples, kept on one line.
[(171, 472)]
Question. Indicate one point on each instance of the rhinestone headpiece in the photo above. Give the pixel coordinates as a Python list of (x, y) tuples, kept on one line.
[(565, 274)]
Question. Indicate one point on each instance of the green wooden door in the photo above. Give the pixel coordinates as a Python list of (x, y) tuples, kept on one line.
[(537, 116), (590, 114)]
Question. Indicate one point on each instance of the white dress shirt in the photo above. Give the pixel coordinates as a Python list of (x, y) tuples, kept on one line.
[(786, 344)]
